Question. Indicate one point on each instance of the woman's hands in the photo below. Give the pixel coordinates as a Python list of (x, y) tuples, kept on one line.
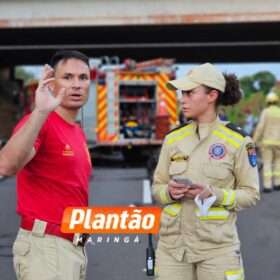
[(178, 191), (200, 189)]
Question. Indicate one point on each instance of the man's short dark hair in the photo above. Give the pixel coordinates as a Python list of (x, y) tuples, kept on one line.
[(64, 55)]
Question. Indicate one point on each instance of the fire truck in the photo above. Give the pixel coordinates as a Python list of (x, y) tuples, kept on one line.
[(28, 96), (129, 108)]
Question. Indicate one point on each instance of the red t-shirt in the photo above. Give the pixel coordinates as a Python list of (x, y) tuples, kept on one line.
[(58, 175)]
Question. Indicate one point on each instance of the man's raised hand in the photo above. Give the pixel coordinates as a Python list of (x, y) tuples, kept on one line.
[(45, 101)]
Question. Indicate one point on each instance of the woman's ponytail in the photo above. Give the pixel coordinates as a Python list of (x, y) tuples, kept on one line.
[(233, 92)]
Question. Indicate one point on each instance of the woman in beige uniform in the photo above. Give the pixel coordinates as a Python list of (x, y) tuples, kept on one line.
[(198, 239)]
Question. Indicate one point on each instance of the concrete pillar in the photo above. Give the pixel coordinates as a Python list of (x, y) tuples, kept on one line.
[(10, 102)]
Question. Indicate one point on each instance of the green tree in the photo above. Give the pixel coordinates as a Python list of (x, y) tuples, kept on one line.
[(264, 81), (24, 75), (261, 81), (247, 85), (255, 88)]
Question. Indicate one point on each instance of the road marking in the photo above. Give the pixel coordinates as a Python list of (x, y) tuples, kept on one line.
[(147, 195)]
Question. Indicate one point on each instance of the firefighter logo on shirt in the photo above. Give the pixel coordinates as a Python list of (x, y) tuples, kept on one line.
[(217, 151), (252, 155), (68, 151)]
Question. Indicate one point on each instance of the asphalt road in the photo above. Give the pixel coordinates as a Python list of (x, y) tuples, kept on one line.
[(259, 230)]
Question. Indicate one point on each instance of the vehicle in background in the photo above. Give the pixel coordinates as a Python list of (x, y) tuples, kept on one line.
[(129, 108)]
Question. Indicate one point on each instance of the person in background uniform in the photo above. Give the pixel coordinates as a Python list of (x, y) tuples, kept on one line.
[(249, 122), (198, 239), (267, 136), (48, 151)]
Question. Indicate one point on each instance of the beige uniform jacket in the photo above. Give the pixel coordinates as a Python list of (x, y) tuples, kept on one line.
[(217, 156), (268, 128)]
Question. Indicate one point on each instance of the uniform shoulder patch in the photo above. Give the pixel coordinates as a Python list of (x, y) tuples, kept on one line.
[(252, 155), (178, 127), (237, 129)]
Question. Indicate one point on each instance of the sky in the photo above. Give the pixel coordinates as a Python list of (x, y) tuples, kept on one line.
[(240, 69)]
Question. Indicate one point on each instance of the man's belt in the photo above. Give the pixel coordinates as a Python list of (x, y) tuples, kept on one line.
[(52, 229)]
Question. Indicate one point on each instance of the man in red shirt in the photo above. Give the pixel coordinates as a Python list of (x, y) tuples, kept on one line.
[(49, 153)]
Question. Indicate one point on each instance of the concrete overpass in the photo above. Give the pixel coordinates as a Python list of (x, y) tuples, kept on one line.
[(190, 31)]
